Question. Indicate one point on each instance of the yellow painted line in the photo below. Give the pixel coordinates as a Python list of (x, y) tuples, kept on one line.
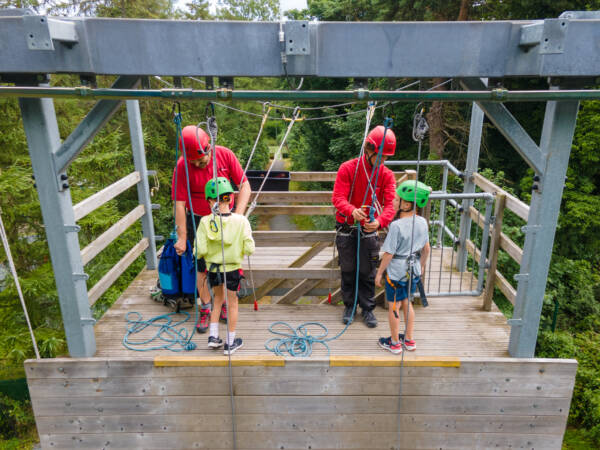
[(383, 361), (222, 361)]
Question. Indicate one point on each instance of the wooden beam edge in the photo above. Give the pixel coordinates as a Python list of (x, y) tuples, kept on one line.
[(219, 361), (382, 361)]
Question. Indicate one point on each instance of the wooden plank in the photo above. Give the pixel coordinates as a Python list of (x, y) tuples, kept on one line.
[(295, 273), (294, 210), (520, 208), (490, 281), (313, 176), (95, 201), (291, 238), (115, 272), (300, 439), (506, 244), (294, 197), (292, 404), (106, 238), (298, 291), (381, 361), (506, 288), (313, 422), (237, 360)]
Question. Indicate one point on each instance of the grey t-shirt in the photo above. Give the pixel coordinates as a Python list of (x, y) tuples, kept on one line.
[(397, 242)]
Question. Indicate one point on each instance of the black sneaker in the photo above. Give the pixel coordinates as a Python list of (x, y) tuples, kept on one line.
[(347, 317), (231, 349), (369, 319), (214, 342)]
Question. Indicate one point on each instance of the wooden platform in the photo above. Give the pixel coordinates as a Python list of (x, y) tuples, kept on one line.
[(450, 326)]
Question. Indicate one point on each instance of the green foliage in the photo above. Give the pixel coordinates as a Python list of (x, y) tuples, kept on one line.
[(248, 10), (16, 418)]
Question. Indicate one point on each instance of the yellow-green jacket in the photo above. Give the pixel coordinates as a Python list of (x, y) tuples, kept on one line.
[(237, 237)]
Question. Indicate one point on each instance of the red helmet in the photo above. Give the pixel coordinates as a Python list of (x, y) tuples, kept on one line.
[(196, 142), (376, 135)]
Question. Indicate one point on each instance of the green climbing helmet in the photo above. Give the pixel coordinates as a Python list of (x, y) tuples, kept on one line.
[(406, 191), (210, 190)]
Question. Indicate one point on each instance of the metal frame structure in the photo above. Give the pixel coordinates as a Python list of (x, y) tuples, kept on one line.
[(563, 50)]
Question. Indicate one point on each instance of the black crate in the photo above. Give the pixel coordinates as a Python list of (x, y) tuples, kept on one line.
[(278, 180)]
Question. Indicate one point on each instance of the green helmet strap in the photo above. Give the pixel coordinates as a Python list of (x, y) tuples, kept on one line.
[(210, 190), (406, 191)]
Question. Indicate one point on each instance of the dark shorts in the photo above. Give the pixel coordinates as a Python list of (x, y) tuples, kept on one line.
[(191, 236), (233, 279), (399, 290)]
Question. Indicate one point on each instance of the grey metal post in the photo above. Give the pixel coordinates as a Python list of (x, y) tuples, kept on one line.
[(556, 141), (41, 129), (139, 160), (469, 186), (440, 234)]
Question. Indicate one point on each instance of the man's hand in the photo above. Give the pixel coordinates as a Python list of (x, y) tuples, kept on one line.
[(371, 226), (180, 246), (359, 215), (378, 280)]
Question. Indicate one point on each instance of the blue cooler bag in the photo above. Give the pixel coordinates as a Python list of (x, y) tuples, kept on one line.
[(188, 272), (169, 269)]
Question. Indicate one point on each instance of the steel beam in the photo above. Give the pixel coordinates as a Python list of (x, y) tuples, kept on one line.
[(100, 114), (556, 141), (509, 127), (329, 49), (41, 129), (472, 164), (143, 189)]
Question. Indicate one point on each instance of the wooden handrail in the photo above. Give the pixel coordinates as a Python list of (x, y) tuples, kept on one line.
[(520, 208), (98, 199)]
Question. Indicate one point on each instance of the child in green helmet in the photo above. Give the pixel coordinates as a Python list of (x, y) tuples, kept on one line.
[(235, 241), (406, 249)]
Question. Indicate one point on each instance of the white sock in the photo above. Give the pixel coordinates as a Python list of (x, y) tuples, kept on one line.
[(231, 337), (214, 330)]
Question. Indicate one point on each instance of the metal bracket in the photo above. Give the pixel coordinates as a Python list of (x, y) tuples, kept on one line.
[(515, 322), (297, 37), (549, 34), (158, 238), (72, 228), (42, 30), (521, 277), (80, 276), (87, 321), (580, 15), (155, 206)]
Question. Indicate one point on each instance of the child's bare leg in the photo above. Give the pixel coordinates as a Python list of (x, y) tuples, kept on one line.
[(409, 318), (202, 285), (232, 308), (394, 321), (216, 311)]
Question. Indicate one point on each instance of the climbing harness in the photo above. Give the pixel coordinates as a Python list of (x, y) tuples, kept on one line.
[(13, 271)]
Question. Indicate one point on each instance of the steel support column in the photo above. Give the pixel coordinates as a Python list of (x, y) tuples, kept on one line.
[(469, 186), (143, 189), (556, 141), (41, 129)]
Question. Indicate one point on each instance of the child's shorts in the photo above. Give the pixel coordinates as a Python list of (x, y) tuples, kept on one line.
[(233, 279), (399, 289)]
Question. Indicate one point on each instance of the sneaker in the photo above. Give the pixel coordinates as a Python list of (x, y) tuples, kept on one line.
[(214, 342), (231, 349), (202, 325), (387, 344), (410, 345), (369, 319), (347, 317), (223, 316)]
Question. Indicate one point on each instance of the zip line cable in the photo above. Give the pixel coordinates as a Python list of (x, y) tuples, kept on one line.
[(13, 271)]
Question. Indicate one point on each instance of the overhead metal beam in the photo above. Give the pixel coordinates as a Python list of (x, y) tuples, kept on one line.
[(556, 141), (41, 129), (509, 127), (100, 114), (323, 49), (494, 95)]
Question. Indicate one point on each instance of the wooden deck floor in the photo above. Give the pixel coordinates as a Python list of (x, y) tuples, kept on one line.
[(450, 326)]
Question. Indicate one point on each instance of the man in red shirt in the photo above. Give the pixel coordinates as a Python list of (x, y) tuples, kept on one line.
[(200, 169), (352, 198)]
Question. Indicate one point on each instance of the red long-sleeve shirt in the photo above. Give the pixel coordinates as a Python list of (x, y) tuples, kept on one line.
[(385, 191)]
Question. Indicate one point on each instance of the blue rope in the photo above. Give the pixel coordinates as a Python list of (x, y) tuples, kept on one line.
[(167, 332), (298, 342)]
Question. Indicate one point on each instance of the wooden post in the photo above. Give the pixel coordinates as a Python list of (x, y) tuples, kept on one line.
[(488, 293)]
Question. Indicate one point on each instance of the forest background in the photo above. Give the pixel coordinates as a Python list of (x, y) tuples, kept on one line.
[(570, 326)]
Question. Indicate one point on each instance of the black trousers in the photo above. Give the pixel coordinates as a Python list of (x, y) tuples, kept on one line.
[(346, 241)]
